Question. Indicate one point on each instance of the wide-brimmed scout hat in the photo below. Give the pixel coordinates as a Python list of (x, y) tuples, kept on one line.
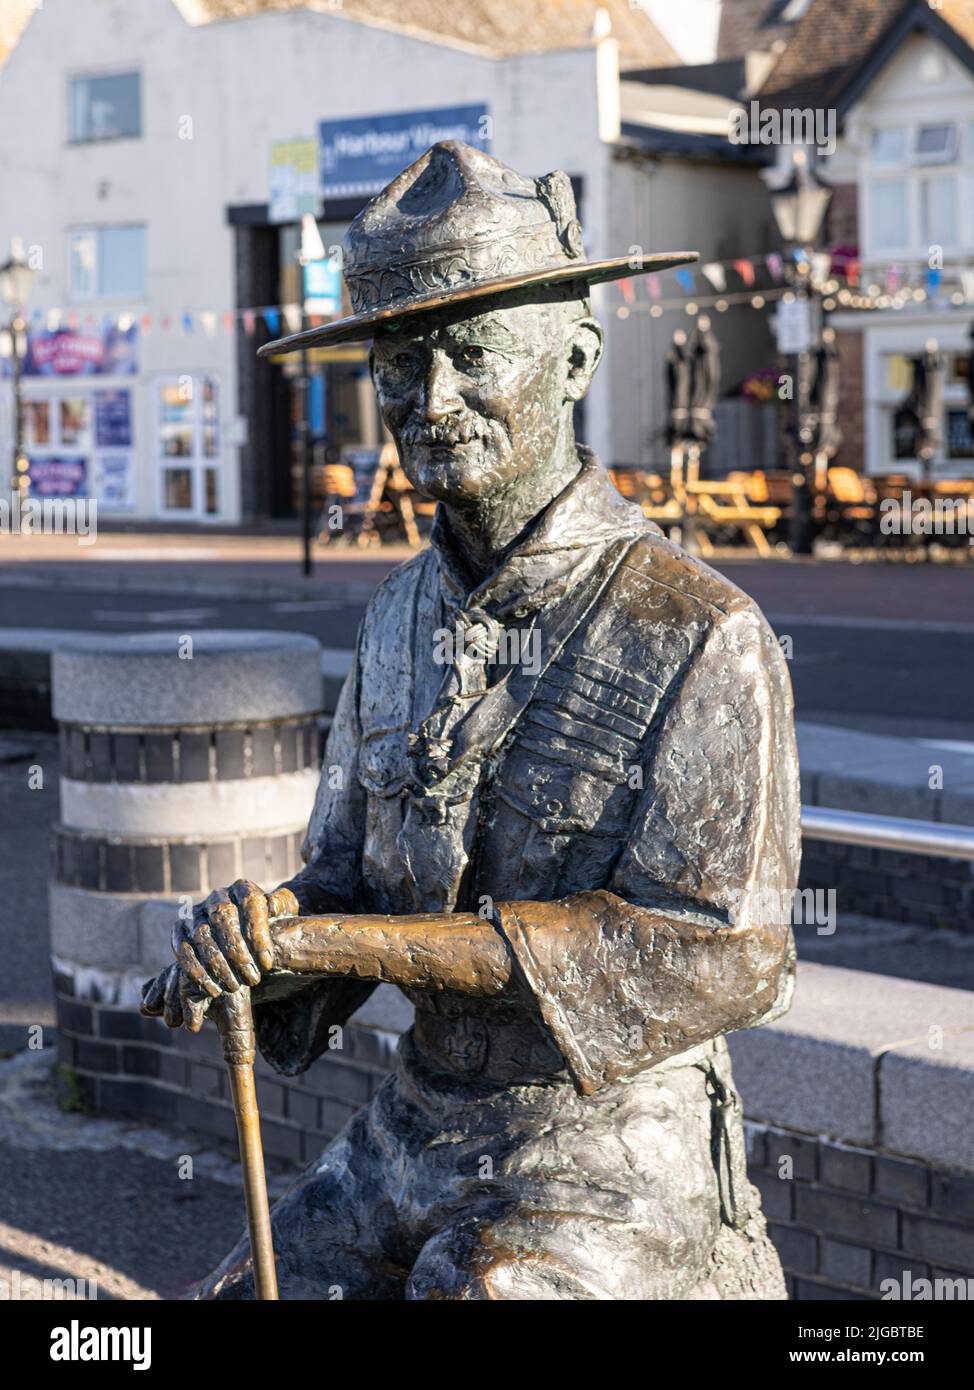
[(456, 226)]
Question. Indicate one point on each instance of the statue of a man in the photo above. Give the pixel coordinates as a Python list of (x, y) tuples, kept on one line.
[(559, 810)]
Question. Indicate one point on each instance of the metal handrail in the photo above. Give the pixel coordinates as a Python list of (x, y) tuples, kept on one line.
[(888, 832)]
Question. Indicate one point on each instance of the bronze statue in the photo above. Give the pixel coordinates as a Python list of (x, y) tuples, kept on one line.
[(559, 810)]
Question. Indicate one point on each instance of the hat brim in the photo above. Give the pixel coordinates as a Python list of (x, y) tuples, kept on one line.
[(360, 326)]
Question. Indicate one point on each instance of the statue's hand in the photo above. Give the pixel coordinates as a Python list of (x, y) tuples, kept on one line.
[(227, 944)]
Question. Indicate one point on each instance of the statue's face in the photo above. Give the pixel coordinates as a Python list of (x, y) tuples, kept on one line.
[(473, 402)]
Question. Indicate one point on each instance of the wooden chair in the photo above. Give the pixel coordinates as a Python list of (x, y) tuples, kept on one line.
[(851, 506)]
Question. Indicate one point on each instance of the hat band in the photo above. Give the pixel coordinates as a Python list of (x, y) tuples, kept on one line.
[(380, 287)]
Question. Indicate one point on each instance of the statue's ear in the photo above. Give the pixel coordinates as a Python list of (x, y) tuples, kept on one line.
[(585, 346)]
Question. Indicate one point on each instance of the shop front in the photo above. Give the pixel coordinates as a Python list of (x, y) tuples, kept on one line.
[(78, 392)]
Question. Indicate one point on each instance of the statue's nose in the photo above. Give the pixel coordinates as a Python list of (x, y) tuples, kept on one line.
[(442, 396)]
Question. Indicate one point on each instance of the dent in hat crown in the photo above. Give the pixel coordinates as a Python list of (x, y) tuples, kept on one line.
[(454, 218)]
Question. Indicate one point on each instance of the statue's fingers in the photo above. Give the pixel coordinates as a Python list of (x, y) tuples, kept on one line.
[(251, 901), (172, 1008), (194, 972), (204, 943), (193, 1007), (153, 993), (283, 903), (229, 937), (212, 959)]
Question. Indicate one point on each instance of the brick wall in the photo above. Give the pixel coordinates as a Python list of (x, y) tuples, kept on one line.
[(114, 1061), (846, 1219), (895, 887), (842, 218), (852, 450)]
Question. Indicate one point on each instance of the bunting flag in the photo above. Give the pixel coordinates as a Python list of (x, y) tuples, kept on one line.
[(714, 272), (763, 274)]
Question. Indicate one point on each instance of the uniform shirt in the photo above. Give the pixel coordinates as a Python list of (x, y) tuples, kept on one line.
[(623, 805)]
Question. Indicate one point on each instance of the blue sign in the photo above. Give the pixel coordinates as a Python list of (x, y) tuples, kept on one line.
[(113, 419), (360, 156)]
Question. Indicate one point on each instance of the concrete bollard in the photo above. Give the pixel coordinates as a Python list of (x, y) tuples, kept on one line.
[(187, 761)]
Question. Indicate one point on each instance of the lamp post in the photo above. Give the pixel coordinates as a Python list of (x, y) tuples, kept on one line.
[(16, 283), (799, 207), (310, 250)]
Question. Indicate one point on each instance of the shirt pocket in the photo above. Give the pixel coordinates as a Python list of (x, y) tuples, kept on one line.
[(562, 798)]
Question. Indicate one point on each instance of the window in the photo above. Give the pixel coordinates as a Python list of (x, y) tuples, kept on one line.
[(888, 145), (938, 210), (188, 445), (105, 108), (960, 445), (935, 144), (107, 262), (917, 189), (888, 215)]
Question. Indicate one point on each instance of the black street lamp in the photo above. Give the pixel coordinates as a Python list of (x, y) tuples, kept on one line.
[(16, 283), (799, 208)]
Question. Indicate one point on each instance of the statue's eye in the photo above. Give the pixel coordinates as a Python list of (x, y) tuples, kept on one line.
[(472, 355), (401, 361)]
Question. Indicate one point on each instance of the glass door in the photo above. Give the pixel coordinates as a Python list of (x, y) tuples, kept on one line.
[(188, 443)]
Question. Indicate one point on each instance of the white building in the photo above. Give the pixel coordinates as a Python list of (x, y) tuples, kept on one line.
[(897, 81), (135, 143)]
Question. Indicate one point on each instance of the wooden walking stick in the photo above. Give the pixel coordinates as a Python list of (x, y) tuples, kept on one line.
[(235, 1021)]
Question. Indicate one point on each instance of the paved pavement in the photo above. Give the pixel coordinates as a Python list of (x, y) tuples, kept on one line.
[(142, 1212)]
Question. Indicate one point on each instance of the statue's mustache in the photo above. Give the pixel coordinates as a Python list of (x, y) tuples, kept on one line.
[(458, 429)]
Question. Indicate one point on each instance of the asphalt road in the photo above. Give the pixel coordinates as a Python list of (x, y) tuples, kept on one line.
[(883, 647)]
